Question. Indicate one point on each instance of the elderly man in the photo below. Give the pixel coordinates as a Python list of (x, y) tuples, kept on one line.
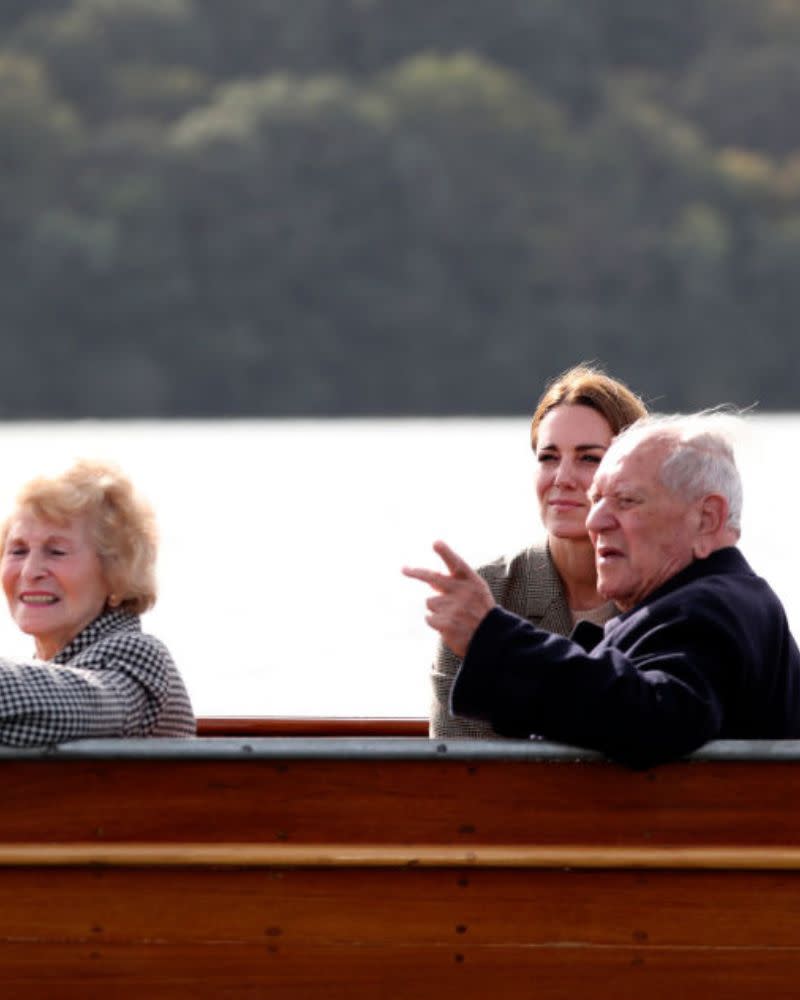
[(701, 649)]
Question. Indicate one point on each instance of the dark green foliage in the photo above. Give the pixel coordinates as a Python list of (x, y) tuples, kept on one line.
[(375, 206)]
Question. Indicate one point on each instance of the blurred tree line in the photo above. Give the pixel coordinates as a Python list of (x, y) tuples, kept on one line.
[(262, 207)]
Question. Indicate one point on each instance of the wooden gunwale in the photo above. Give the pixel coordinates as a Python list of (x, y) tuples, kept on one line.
[(239, 726)]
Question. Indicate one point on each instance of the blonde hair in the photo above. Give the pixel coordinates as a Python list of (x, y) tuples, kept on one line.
[(121, 525), (585, 385)]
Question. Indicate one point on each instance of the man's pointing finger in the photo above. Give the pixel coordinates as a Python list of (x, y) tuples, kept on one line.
[(452, 560)]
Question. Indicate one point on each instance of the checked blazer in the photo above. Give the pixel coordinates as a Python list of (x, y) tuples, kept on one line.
[(110, 680), (527, 584)]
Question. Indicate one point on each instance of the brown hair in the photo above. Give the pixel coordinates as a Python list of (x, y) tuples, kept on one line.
[(585, 385), (121, 525)]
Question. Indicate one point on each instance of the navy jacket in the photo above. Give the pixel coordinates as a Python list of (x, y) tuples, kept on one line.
[(708, 655)]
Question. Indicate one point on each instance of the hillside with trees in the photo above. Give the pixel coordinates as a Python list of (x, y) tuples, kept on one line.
[(353, 207)]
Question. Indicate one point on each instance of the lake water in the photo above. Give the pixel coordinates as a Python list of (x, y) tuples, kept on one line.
[(282, 542)]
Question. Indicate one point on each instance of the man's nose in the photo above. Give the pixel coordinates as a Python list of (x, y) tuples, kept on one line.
[(600, 517)]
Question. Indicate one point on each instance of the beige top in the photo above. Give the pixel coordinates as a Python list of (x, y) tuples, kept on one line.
[(529, 585), (597, 615)]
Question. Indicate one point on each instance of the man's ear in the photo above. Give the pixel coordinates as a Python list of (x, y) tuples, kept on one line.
[(713, 510)]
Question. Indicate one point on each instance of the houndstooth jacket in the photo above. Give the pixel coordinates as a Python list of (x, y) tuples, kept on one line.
[(527, 584), (111, 680)]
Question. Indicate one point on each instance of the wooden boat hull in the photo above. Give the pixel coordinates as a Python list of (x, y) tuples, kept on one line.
[(350, 868)]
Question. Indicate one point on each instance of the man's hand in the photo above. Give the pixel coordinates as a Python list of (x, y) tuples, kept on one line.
[(462, 601)]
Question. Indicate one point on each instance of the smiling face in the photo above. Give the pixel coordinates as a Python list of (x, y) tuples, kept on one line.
[(642, 533), (53, 579), (569, 445)]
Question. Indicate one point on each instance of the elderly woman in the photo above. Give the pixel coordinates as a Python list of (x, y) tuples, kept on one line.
[(78, 568), (553, 585)]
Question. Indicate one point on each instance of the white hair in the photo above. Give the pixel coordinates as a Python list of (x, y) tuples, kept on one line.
[(700, 457)]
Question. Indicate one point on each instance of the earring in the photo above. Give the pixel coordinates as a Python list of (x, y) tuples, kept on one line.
[(113, 600)]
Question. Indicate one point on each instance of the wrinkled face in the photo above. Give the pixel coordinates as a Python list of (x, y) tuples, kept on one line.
[(53, 579), (642, 533), (570, 443)]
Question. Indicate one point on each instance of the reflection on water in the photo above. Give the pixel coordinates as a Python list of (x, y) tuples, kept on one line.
[(282, 542)]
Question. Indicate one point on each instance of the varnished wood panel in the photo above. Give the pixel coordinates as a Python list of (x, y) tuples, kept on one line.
[(301, 908), (382, 974), (294, 932), (399, 801), (299, 934)]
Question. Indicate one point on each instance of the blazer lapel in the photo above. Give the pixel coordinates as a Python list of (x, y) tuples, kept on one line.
[(544, 601)]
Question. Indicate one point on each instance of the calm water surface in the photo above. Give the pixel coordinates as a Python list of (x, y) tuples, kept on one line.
[(282, 542)]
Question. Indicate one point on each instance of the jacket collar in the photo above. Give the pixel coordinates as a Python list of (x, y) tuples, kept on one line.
[(723, 562), (111, 620)]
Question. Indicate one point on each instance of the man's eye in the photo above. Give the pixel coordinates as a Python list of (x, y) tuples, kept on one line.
[(547, 457)]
